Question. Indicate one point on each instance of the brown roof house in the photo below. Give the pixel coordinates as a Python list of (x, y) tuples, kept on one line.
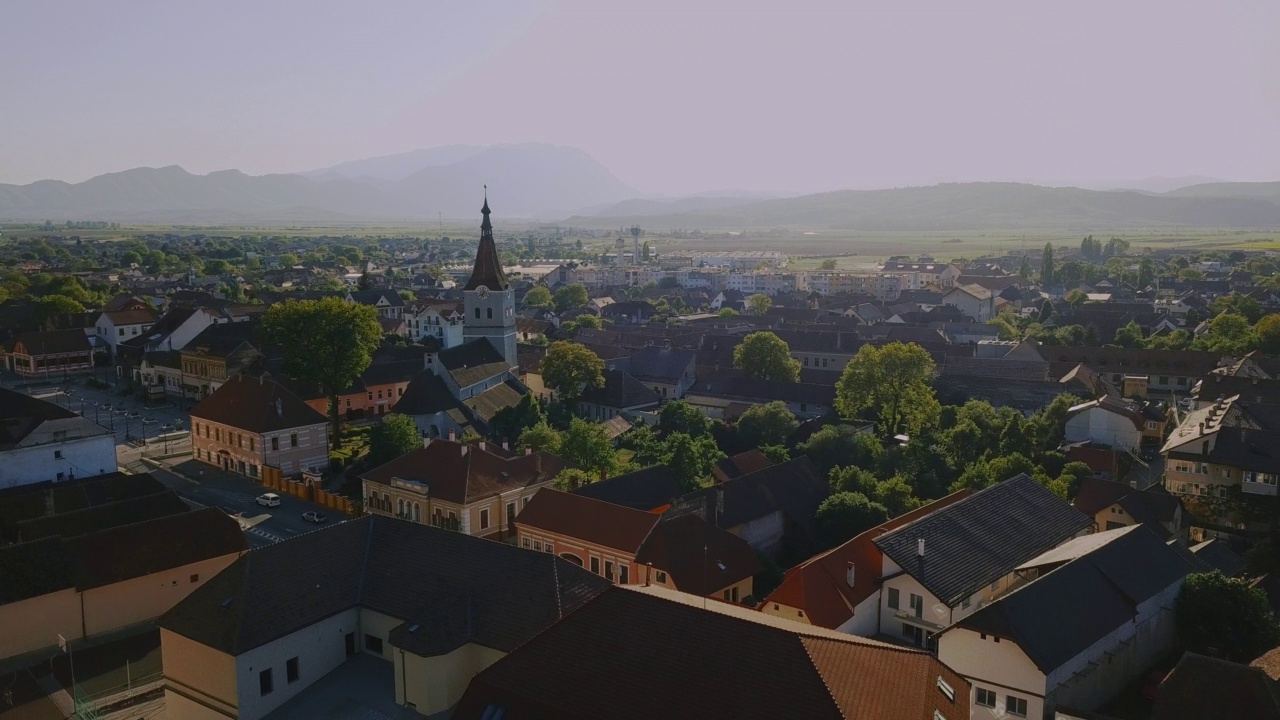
[(472, 488), (629, 546), (592, 663), (419, 610), (51, 354), (248, 424)]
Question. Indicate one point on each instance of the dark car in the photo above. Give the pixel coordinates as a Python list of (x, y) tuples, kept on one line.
[(314, 517)]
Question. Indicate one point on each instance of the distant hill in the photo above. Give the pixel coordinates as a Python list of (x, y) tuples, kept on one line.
[(525, 181), (972, 206)]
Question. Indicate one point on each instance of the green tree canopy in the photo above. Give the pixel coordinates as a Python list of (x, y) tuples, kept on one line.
[(586, 445), (1267, 333), (51, 306), (572, 478), (287, 259), (1225, 615), (759, 304), (325, 343), (892, 383), (836, 445), (570, 297), (569, 369), (1228, 333), (691, 460), (768, 424), (679, 416), (727, 312), (844, 515), (538, 296), (765, 356), (828, 264), (541, 438), (393, 436), (509, 422)]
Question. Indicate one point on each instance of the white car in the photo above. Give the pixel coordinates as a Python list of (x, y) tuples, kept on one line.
[(269, 500)]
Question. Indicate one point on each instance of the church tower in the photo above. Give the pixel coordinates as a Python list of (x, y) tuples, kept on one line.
[(488, 298)]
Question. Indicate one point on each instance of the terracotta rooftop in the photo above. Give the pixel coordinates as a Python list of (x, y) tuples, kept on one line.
[(462, 474), (256, 405)]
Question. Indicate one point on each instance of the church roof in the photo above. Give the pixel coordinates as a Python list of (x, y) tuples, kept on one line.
[(488, 269)]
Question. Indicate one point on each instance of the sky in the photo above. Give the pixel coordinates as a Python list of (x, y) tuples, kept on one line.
[(672, 96)]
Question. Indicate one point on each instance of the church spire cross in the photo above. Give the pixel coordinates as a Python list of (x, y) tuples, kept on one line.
[(488, 268)]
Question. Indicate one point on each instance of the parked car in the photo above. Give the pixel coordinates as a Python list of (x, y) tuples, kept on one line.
[(269, 500), (314, 517)]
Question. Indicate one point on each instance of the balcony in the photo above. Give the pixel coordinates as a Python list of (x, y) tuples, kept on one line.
[(413, 486), (1258, 488), (911, 617)]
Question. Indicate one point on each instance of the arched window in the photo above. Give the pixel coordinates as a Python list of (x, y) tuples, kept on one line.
[(477, 313), (386, 502), (417, 513), (490, 313), (400, 507)]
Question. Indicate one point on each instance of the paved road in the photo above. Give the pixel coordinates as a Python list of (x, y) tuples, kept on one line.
[(238, 496)]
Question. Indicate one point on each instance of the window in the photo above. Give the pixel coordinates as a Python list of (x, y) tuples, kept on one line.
[(275, 443), (264, 682), (477, 313), (662, 578), (1015, 706), (624, 574), (195, 578), (239, 440), (964, 604), (379, 394), (57, 454), (537, 545), (608, 569), (893, 598), (291, 670), (370, 394), (917, 604), (217, 434), (525, 543), (984, 697), (253, 444), (595, 565), (511, 512), (489, 313), (373, 644), (293, 439), (484, 519), (946, 689)]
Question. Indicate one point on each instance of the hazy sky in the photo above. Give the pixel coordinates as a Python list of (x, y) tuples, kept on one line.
[(674, 97)]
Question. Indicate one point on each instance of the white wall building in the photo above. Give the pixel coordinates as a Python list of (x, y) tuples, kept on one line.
[(47, 442)]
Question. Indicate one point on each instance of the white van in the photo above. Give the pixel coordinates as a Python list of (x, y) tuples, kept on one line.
[(269, 499)]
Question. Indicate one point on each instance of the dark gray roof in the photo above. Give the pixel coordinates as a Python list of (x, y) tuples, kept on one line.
[(647, 489), (795, 487), (20, 414), (395, 567), (982, 538), (663, 364), (1217, 555), (1073, 606), (1203, 687), (426, 394), (472, 362), (621, 390)]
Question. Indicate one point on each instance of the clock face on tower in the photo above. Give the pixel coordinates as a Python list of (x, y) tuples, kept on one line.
[(482, 291)]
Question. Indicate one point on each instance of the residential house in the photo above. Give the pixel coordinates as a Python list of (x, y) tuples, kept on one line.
[(628, 312), (840, 589), (438, 319), (1115, 505), (40, 441), (651, 489), (669, 371), (91, 572), (217, 354), (973, 300), (1106, 421), (626, 546), (590, 663), (945, 566), (1093, 616), (472, 488), (249, 424), (387, 302), (50, 354), (171, 332), (735, 466), (1165, 370), (1200, 686), (772, 509), (116, 326), (621, 395), (420, 609), (716, 391)]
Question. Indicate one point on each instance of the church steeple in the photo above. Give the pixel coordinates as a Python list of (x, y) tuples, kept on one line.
[(488, 268)]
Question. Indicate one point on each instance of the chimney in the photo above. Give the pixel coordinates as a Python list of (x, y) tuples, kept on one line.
[(279, 408), (426, 441), (719, 502), (528, 450), (537, 463), (463, 447), (481, 444), (505, 445), (453, 435), (920, 547)]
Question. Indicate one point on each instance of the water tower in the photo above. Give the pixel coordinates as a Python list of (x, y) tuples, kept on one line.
[(622, 245), (635, 244)]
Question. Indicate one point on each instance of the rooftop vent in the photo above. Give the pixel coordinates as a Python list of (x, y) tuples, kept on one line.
[(226, 603), (920, 547)]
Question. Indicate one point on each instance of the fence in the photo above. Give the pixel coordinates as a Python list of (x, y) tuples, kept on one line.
[(274, 479), (90, 706)]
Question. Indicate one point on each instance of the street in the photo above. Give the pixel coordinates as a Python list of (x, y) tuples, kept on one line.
[(207, 485)]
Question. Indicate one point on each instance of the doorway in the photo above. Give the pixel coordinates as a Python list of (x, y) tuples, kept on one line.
[(351, 644)]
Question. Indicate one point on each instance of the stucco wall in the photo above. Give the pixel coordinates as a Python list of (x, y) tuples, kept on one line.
[(434, 684), (319, 648), (377, 625), (121, 604), (865, 618), (998, 666), (1103, 426), (83, 457), (197, 674), (36, 622)]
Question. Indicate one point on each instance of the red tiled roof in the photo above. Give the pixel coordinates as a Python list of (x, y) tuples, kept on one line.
[(819, 585), (256, 405), (462, 474), (587, 519)]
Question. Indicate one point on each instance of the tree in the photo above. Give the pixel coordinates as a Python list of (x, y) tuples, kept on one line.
[(392, 437), (828, 264), (679, 416), (509, 422), (1225, 615), (1075, 298), (768, 424), (584, 322), (1267, 332), (1024, 268), (644, 251), (572, 479), (892, 382), (727, 312), (691, 459), (851, 479), (287, 259), (669, 282), (569, 369), (217, 266), (844, 515), (570, 297), (1228, 333), (759, 304), (896, 495), (1131, 336), (538, 296), (841, 445), (766, 356), (1046, 266), (325, 343), (586, 445), (1190, 274), (51, 306), (130, 258), (1243, 305), (541, 438)]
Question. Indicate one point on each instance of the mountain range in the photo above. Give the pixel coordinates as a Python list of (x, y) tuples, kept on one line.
[(553, 183)]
